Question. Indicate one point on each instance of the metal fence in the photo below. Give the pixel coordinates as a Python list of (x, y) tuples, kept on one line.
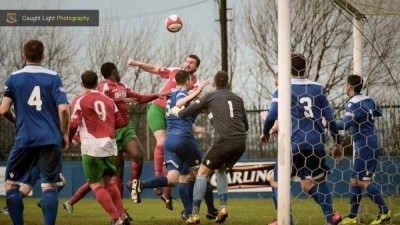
[(388, 130)]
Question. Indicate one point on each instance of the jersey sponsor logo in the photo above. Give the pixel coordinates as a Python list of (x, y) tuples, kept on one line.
[(62, 89), (248, 177), (210, 116), (120, 95), (208, 162)]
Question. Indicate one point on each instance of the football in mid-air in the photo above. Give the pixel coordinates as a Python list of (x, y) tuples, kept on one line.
[(173, 23)]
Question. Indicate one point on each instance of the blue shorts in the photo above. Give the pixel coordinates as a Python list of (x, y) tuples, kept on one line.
[(180, 149), (185, 170), (22, 162), (364, 165), (307, 165)]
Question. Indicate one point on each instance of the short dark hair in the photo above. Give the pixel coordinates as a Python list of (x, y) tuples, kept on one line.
[(181, 77), (356, 82), (33, 51), (196, 58), (221, 79), (107, 68), (298, 65), (89, 79)]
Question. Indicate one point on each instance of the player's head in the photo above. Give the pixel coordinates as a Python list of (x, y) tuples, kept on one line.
[(182, 78), (33, 51), (192, 63), (354, 84), (89, 79), (298, 65), (221, 80), (109, 71)]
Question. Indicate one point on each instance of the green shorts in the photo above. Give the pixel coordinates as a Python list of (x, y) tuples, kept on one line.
[(156, 118), (96, 167), (124, 135)]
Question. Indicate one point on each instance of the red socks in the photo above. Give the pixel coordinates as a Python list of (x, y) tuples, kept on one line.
[(80, 193)]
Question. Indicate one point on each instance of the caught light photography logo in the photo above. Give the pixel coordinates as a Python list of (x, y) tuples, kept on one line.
[(11, 17)]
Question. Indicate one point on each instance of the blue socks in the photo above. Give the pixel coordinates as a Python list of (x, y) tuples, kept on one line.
[(322, 195), (199, 191), (184, 193), (374, 194), (15, 206), (355, 199), (49, 206), (157, 181), (275, 196), (222, 186), (209, 198)]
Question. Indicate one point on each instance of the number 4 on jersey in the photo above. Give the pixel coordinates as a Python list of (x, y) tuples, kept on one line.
[(34, 99)]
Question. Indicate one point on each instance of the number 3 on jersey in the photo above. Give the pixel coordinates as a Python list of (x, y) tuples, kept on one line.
[(307, 108), (34, 99)]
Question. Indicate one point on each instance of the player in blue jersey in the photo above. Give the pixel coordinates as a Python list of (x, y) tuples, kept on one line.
[(359, 118), (42, 117), (309, 105), (180, 146)]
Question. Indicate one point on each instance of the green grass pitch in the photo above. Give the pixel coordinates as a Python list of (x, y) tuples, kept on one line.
[(153, 211)]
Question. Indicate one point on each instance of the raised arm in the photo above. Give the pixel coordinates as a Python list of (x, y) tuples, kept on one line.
[(183, 101), (139, 98), (146, 67), (197, 106)]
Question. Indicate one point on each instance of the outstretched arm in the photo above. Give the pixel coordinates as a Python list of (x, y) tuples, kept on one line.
[(146, 67), (183, 101)]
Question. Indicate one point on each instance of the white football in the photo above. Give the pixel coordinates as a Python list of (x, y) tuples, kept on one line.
[(173, 23)]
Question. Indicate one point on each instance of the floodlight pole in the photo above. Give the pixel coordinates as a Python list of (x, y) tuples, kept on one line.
[(357, 46), (284, 112)]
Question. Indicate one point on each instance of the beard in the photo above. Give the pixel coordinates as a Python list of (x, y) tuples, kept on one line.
[(191, 72)]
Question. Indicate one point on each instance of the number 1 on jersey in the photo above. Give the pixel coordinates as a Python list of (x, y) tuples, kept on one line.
[(34, 99), (230, 108)]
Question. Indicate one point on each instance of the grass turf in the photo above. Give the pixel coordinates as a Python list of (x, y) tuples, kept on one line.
[(153, 211)]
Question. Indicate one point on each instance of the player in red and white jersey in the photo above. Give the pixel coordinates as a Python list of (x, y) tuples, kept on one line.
[(156, 112), (126, 136), (97, 117)]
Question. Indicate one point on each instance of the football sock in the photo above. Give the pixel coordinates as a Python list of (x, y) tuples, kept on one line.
[(158, 160), (200, 187), (167, 190), (113, 191), (49, 206), (209, 198), (80, 193), (323, 197), (222, 186), (153, 182), (374, 194), (191, 188), (275, 196), (185, 197), (355, 199), (15, 206), (136, 170), (106, 202), (117, 181)]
